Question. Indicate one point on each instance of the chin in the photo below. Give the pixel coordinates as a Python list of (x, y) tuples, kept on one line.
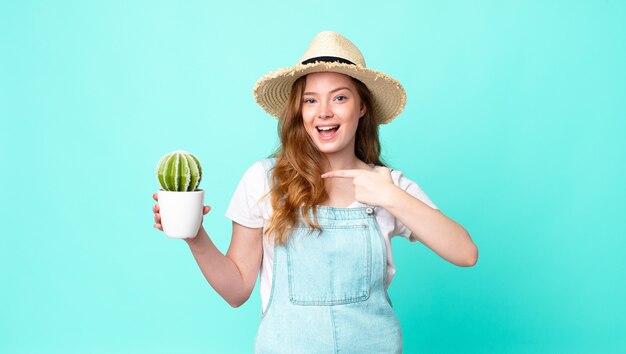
[(330, 148)]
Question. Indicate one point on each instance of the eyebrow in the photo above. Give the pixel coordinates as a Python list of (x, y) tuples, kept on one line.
[(331, 91)]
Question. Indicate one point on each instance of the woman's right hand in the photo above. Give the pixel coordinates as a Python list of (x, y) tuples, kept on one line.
[(157, 216), (232, 276)]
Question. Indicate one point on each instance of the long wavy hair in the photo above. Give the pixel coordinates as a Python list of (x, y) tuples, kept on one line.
[(297, 186)]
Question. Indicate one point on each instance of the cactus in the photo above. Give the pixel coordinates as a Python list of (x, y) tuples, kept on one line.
[(179, 171)]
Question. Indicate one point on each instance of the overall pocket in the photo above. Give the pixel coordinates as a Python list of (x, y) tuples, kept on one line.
[(330, 268)]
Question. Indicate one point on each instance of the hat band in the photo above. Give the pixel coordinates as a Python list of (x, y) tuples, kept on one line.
[(327, 60)]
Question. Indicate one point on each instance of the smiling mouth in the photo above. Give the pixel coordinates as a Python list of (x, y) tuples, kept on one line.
[(327, 132), (330, 128)]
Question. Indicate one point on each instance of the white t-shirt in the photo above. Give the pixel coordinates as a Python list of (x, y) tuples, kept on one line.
[(251, 207)]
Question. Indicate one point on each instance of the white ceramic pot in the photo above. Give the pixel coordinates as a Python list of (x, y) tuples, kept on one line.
[(181, 212)]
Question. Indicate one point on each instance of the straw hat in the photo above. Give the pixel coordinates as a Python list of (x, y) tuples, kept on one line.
[(330, 51)]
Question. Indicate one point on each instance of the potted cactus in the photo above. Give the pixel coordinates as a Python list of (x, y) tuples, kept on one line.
[(180, 202)]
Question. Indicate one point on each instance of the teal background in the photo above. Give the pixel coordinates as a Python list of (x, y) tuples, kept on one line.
[(514, 127)]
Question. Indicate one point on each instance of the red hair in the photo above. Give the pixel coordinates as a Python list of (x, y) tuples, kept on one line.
[(297, 186)]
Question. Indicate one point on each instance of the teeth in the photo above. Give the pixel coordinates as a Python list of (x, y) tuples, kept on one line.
[(328, 128)]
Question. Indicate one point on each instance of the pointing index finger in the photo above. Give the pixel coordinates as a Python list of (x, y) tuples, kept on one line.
[(342, 174)]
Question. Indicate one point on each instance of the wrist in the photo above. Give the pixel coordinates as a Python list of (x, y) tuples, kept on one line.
[(194, 240), (393, 196)]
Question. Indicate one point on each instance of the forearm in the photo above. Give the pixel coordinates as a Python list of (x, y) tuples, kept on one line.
[(431, 227), (219, 270)]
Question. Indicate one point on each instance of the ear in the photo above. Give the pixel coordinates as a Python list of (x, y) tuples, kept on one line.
[(363, 110)]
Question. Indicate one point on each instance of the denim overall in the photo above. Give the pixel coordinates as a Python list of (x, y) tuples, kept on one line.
[(329, 290)]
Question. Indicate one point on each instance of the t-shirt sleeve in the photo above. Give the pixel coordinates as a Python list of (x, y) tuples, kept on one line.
[(247, 203), (413, 189)]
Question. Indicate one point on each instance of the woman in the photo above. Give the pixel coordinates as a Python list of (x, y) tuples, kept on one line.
[(317, 218)]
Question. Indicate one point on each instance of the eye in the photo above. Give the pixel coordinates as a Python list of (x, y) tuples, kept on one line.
[(341, 98), (308, 100)]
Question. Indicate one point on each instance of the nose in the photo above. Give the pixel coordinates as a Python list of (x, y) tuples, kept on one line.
[(325, 111)]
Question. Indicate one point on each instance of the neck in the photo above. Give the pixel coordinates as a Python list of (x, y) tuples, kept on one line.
[(342, 161)]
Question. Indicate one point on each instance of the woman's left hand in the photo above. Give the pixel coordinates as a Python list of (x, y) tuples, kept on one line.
[(370, 187)]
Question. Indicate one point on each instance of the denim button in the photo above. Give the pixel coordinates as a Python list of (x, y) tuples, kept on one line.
[(369, 211)]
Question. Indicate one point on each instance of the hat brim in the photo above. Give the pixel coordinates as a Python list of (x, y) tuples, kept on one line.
[(272, 90)]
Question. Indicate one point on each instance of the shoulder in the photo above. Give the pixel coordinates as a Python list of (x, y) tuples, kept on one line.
[(397, 176), (399, 179), (410, 186), (260, 168)]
